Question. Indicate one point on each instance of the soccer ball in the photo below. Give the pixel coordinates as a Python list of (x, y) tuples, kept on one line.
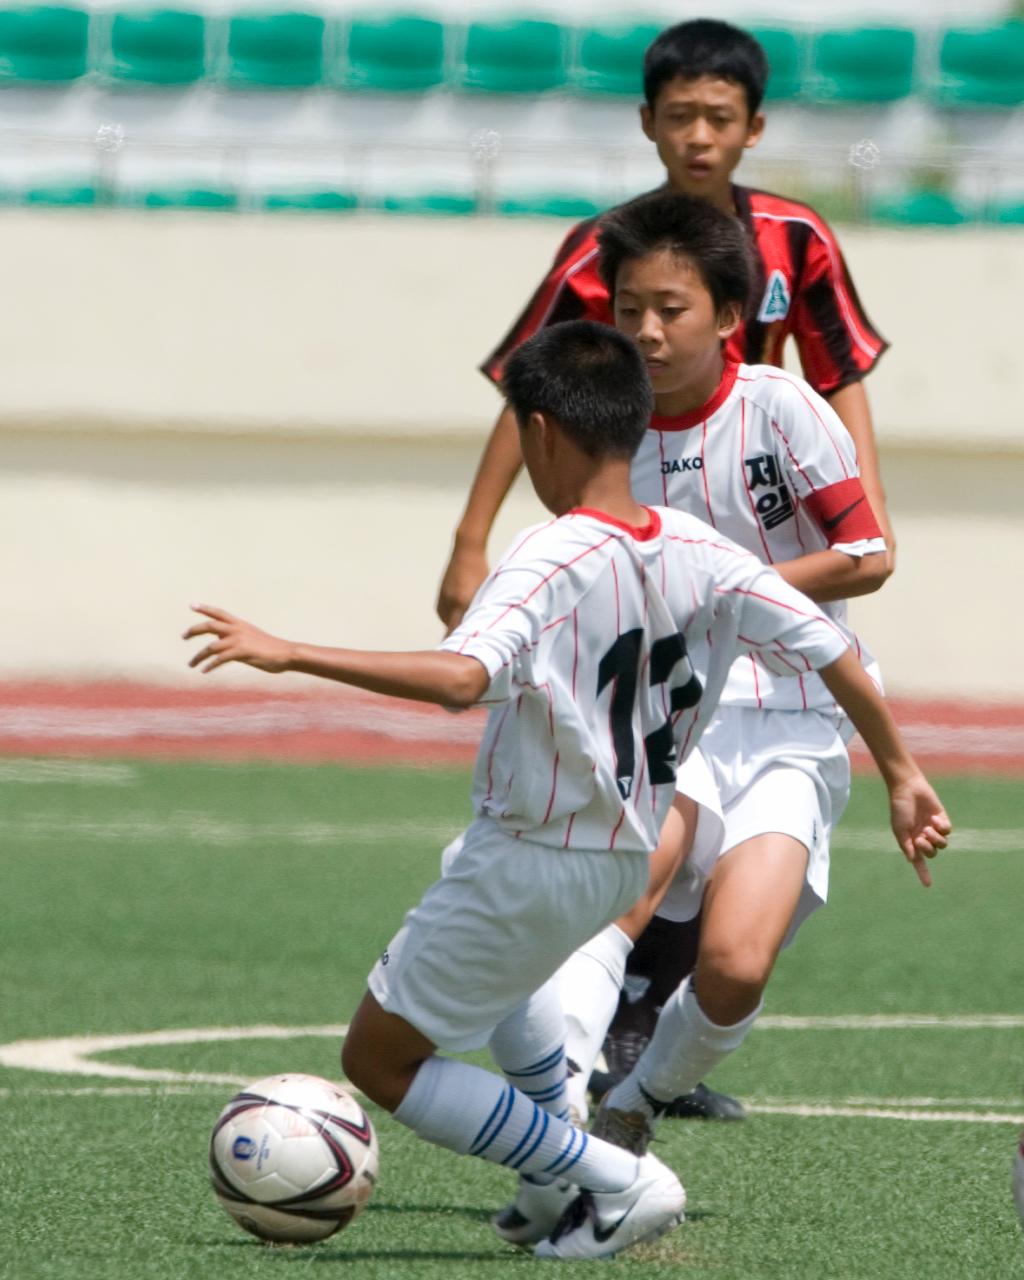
[(293, 1158)]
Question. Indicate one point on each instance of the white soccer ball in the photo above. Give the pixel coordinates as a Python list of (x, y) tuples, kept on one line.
[(293, 1158)]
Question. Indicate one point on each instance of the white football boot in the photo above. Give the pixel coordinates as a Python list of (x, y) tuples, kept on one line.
[(600, 1224), (535, 1211)]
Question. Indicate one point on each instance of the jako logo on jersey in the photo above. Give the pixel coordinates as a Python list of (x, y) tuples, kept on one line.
[(682, 464), (776, 300)]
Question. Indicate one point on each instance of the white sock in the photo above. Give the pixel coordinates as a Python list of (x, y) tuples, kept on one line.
[(590, 982), (529, 1047), (684, 1048), (469, 1110)]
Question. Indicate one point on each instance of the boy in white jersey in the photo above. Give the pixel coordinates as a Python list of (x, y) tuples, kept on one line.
[(602, 641), (756, 453)]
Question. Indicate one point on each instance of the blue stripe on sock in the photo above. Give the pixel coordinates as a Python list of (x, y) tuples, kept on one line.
[(534, 1121), (484, 1138), (583, 1146), (545, 1095), (574, 1134), (538, 1068), (539, 1139)]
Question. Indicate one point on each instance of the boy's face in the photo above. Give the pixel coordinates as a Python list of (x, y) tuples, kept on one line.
[(701, 129), (662, 303)]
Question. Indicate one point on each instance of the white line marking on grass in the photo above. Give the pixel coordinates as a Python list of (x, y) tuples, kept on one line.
[(207, 828), (72, 1055), (889, 1103), (202, 828), (121, 1091), (891, 1022), (965, 840), (82, 771), (828, 1111)]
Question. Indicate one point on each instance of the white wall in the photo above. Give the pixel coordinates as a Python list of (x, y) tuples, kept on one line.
[(363, 323), (282, 416)]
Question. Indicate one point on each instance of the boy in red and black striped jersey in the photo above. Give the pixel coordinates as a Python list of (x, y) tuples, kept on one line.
[(703, 83)]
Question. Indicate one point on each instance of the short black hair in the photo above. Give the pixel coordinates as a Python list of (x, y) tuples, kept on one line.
[(590, 378), (706, 47), (687, 227)]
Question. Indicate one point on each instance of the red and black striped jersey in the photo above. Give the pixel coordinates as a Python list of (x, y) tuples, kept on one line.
[(802, 288)]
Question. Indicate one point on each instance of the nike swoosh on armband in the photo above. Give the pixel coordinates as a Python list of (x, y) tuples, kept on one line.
[(829, 525)]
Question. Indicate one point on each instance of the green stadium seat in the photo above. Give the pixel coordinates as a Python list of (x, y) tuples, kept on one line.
[(395, 54), (518, 56), (309, 201), (982, 66), (869, 64), (43, 42), (548, 205), (65, 195), (155, 46), (1006, 212), (609, 59), (274, 50), (786, 52), (427, 203), (918, 209), (179, 198)]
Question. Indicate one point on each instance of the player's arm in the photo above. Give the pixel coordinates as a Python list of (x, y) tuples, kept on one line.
[(556, 298), (919, 822), (833, 575), (838, 346), (450, 679), (852, 406), (789, 635), (499, 465), (819, 459)]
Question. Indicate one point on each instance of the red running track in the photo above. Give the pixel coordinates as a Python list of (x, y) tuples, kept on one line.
[(126, 720)]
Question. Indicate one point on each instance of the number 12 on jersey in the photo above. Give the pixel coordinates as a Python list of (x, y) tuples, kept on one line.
[(669, 665)]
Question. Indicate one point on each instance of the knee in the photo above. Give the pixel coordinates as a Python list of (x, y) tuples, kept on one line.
[(739, 973)]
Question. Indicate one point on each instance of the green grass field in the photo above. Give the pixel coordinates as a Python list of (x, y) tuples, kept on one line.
[(140, 897)]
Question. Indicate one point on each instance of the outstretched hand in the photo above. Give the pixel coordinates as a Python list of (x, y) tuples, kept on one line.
[(919, 822), (235, 640)]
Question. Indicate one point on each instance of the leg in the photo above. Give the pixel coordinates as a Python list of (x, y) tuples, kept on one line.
[(591, 979), (382, 1053), (751, 897), (467, 1109)]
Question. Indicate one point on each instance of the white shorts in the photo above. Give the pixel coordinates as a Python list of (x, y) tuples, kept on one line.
[(683, 897), (505, 915), (785, 771)]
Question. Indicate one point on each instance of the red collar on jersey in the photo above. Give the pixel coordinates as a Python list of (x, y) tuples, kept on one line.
[(642, 533), (683, 421)]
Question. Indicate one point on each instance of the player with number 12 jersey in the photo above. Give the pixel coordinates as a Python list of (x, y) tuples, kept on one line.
[(563, 625)]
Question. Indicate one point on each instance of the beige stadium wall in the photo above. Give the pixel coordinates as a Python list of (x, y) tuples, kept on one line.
[(282, 415)]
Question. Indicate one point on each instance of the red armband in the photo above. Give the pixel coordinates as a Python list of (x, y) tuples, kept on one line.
[(843, 512)]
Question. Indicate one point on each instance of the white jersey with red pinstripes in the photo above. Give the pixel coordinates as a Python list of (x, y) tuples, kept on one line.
[(607, 648), (757, 462)]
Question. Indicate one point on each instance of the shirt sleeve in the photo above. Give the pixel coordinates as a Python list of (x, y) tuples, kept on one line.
[(785, 631), (837, 342), (571, 290), (819, 459), (504, 621)]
